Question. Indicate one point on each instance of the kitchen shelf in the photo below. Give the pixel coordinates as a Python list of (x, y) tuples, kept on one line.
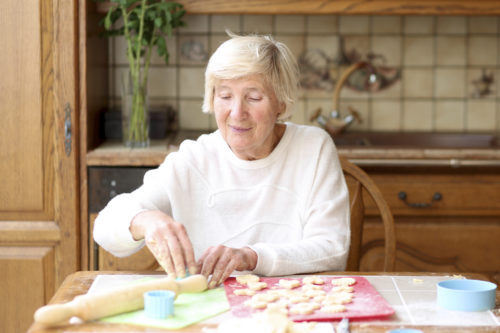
[(344, 7)]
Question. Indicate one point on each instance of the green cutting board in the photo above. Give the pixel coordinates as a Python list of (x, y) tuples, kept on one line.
[(189, 308)]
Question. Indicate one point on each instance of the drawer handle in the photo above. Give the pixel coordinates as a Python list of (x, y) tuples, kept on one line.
[(436, 197)]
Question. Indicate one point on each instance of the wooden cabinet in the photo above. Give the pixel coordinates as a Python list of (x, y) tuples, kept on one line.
[(457, 233), (39, 195)]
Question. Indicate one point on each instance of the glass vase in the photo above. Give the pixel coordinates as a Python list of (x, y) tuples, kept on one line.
[(135, 115)]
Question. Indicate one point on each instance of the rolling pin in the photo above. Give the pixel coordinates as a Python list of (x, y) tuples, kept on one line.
[(117, 300)]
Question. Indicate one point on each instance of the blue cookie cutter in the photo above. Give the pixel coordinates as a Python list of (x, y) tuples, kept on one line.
[(159, 304), (466, 295)]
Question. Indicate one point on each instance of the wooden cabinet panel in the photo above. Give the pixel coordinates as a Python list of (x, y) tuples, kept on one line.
[(453, 245), (27, 283), (39, 195), (464, 194)]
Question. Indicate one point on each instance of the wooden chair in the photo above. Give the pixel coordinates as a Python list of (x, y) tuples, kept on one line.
[(363, 183)]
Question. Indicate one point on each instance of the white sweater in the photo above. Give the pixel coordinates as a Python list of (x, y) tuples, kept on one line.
[(291, 208)]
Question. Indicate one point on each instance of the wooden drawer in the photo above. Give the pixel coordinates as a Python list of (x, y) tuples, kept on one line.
[(459, 194)]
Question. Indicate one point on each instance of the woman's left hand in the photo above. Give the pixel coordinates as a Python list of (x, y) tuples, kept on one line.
[(221, 261)]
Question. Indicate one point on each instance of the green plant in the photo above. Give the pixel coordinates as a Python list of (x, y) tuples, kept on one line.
[(145, 24)]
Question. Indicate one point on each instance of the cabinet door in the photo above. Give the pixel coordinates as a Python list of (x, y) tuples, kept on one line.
[(38, 159)]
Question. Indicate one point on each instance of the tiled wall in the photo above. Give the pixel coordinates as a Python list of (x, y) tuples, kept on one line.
[(448, 65)]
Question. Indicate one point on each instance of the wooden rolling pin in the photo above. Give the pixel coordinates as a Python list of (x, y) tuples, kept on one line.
[(117, 300)]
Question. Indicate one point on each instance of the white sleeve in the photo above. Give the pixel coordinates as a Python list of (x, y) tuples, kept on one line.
[(112, 225), (326, 232)]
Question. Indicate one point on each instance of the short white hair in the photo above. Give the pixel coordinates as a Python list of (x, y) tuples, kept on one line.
[(240, 56)]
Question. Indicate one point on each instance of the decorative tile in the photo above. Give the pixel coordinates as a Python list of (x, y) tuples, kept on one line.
[(481, 82), (195, 24), (393, 91), (386, 115), (321, 24), (450, 83), (221, 23), (357, 45), (191, 82), (449, 116), (417, 115), (389, 47), (418, 83), (418, 51), (290, 24), (482, 51), (262, 24), (354, 24), (481, 115), (453, 25), (191, 117), (419, 25), (450, 51), (385, 24), (483, 24), (193, 50)]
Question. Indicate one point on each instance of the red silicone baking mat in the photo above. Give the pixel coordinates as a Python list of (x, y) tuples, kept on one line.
[(367, 303)]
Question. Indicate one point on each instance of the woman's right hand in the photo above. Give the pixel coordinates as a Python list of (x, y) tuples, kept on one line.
[(167, 240)]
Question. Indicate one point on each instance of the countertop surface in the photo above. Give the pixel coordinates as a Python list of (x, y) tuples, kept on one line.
[(114, 153)]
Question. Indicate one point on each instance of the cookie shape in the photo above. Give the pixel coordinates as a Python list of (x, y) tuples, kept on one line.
[(313, 280), (289, 284), (256, 285), (345, 281), (244, 292), (244, 279)]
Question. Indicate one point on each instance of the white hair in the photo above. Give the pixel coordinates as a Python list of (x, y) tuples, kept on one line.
[(240, 56)]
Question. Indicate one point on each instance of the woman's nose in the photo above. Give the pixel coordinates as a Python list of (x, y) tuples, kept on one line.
[(238, 109)]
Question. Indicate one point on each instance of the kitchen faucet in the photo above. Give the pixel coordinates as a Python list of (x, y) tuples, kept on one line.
[(333, 123)]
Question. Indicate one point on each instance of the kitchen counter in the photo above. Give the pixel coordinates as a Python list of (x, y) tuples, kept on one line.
[(115, 154)]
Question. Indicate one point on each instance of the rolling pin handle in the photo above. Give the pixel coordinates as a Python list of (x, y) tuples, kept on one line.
[(56, 314)]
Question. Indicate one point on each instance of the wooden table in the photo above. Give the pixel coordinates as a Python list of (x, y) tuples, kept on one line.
[(80, 282)]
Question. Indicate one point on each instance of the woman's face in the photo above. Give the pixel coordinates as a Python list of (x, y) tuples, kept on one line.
[(246, 110)]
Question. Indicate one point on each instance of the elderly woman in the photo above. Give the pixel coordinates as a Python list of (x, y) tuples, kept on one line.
[(259, 194)]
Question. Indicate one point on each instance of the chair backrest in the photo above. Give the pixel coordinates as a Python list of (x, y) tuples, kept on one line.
[(364, 184)]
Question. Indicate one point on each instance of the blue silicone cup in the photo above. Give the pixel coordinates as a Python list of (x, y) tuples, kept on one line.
[(466, 295), (159, 304)]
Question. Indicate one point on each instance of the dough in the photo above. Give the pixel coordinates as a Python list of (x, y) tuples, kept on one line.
[(303, 308), (244, 279), (337, 298), (313, 280), (256, 304), (345, 289), (244, 292), (289, 284), (307, 287), (314, 293), (343, 281), (256, 285)]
